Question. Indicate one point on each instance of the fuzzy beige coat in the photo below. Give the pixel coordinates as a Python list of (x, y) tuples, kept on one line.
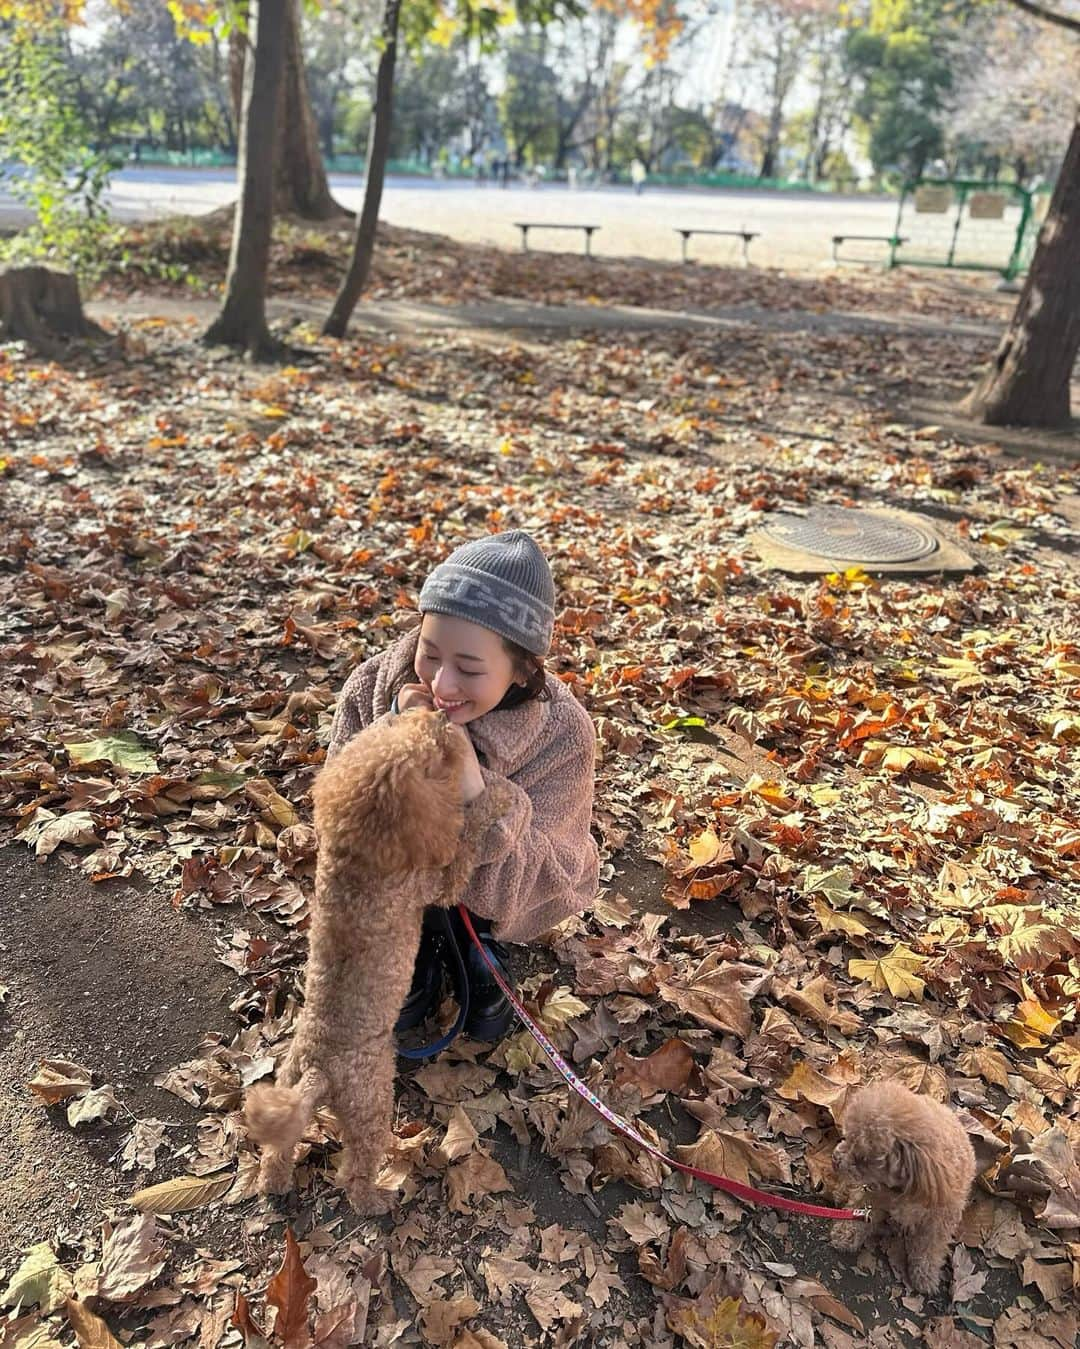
[(536, 863)]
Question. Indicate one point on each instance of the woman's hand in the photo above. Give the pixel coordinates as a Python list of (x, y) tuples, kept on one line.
[(472, 780), (412, 696)]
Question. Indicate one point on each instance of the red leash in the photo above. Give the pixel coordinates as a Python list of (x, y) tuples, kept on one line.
[(733, 1187)]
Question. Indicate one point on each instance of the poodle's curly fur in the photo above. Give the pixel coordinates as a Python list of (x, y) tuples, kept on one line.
[(910, 1158), (389, 821)]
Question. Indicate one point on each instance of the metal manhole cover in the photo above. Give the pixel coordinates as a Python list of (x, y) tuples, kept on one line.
[(856, 536)]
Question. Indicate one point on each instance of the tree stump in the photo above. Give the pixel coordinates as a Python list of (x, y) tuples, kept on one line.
[(41, 307)]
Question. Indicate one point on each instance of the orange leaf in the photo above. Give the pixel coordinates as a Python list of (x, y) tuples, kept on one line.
[(290, 1291)]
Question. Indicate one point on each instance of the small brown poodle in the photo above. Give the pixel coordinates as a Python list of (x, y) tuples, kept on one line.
[(910, 1158), (389, 821)]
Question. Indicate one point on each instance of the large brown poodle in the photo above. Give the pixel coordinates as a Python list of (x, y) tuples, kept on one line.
[(389, 821), (911, 1159)]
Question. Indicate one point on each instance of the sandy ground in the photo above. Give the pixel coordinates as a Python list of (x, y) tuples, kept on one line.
[(795, 229)]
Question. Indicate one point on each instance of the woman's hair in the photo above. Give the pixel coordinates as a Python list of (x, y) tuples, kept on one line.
[(530, 668)]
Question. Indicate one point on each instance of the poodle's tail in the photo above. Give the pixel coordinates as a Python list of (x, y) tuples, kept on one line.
[(276, 1117)]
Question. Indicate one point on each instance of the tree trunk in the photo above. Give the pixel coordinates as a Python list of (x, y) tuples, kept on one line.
[(242, 321), (382, 115), (1028, 382), (300, 186), (38, 306)]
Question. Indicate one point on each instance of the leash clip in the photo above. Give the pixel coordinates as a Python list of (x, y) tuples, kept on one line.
[(866, 1215)]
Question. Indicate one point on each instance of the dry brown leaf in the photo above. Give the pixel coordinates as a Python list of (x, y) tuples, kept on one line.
[(805, 1083), (817, 1000), (442, 1317), (180, 1194), (665, 1069), (476, 1177), (91, 1330), (985, 1062), (131, 1257), (58, 1080), (478, 1339), (736, 1156), (726, 1324), (718, 994), (460, 1138), (290, 1292)]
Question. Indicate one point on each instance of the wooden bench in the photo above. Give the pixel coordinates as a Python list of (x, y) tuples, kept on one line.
[(747, 237), (893, 240), (526, 225)]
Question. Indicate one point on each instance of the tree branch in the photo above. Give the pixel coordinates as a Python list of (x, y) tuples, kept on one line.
[(1048, 15)]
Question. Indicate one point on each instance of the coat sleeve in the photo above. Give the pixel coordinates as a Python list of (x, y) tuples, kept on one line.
[(355, 706), (536, 863)]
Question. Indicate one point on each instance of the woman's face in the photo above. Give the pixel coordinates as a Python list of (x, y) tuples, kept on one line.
[(466, 667)]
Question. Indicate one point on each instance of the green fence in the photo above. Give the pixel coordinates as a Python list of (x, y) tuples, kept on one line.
[(967, 224), (220, 159)]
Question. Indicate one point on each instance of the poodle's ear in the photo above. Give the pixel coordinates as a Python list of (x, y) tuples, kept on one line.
[(429, 809), (902, 1171), (390, 802)]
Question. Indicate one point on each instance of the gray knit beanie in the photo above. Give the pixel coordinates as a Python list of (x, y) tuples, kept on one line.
[(503, 582)]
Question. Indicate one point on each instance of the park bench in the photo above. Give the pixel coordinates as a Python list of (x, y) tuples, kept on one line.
[(893, 241), (747, 237), (526, 225)]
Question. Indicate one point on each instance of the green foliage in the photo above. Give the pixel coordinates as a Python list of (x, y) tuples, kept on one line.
[(46, 159), (901, 60)]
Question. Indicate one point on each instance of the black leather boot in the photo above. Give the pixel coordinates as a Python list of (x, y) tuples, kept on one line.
[(427, 982), (490, 1014)]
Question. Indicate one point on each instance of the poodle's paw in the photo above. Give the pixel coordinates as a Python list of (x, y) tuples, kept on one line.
[(849, 1236), (924, 1272), (368, 1200), (275, 1175)]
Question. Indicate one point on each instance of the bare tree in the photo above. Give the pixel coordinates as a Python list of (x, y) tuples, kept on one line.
[(242, 320), (1028, 381), (300, 184), (382, 115)]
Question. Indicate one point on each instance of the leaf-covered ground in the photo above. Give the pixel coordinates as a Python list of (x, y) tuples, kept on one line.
[(839, 821)]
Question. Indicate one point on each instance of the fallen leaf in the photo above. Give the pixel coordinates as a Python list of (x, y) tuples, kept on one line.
[(706, 849), (736, 1156), (122, 748), (460, 1138), (894, 973), (728, 1325), (478, 1339), (92, 1106), (476, 1177), (966, 1283), (131, 1257), (180, 1194), (665, 1069), (76, 828), (91, 1330), (817, 1000), (804, 1082), (27, 1332), (58, 1080), (39, 1281), (442, 1317), (290, 1292), (985, 1062)]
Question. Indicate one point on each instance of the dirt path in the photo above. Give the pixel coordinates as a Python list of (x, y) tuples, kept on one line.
[(412, 316), (109, 976)]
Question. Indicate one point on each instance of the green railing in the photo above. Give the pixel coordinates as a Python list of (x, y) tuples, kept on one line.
[(220, 159)]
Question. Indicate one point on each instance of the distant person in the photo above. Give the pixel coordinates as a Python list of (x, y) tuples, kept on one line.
[(480, 160), (505, 175), (572, 177), (638, 174)]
